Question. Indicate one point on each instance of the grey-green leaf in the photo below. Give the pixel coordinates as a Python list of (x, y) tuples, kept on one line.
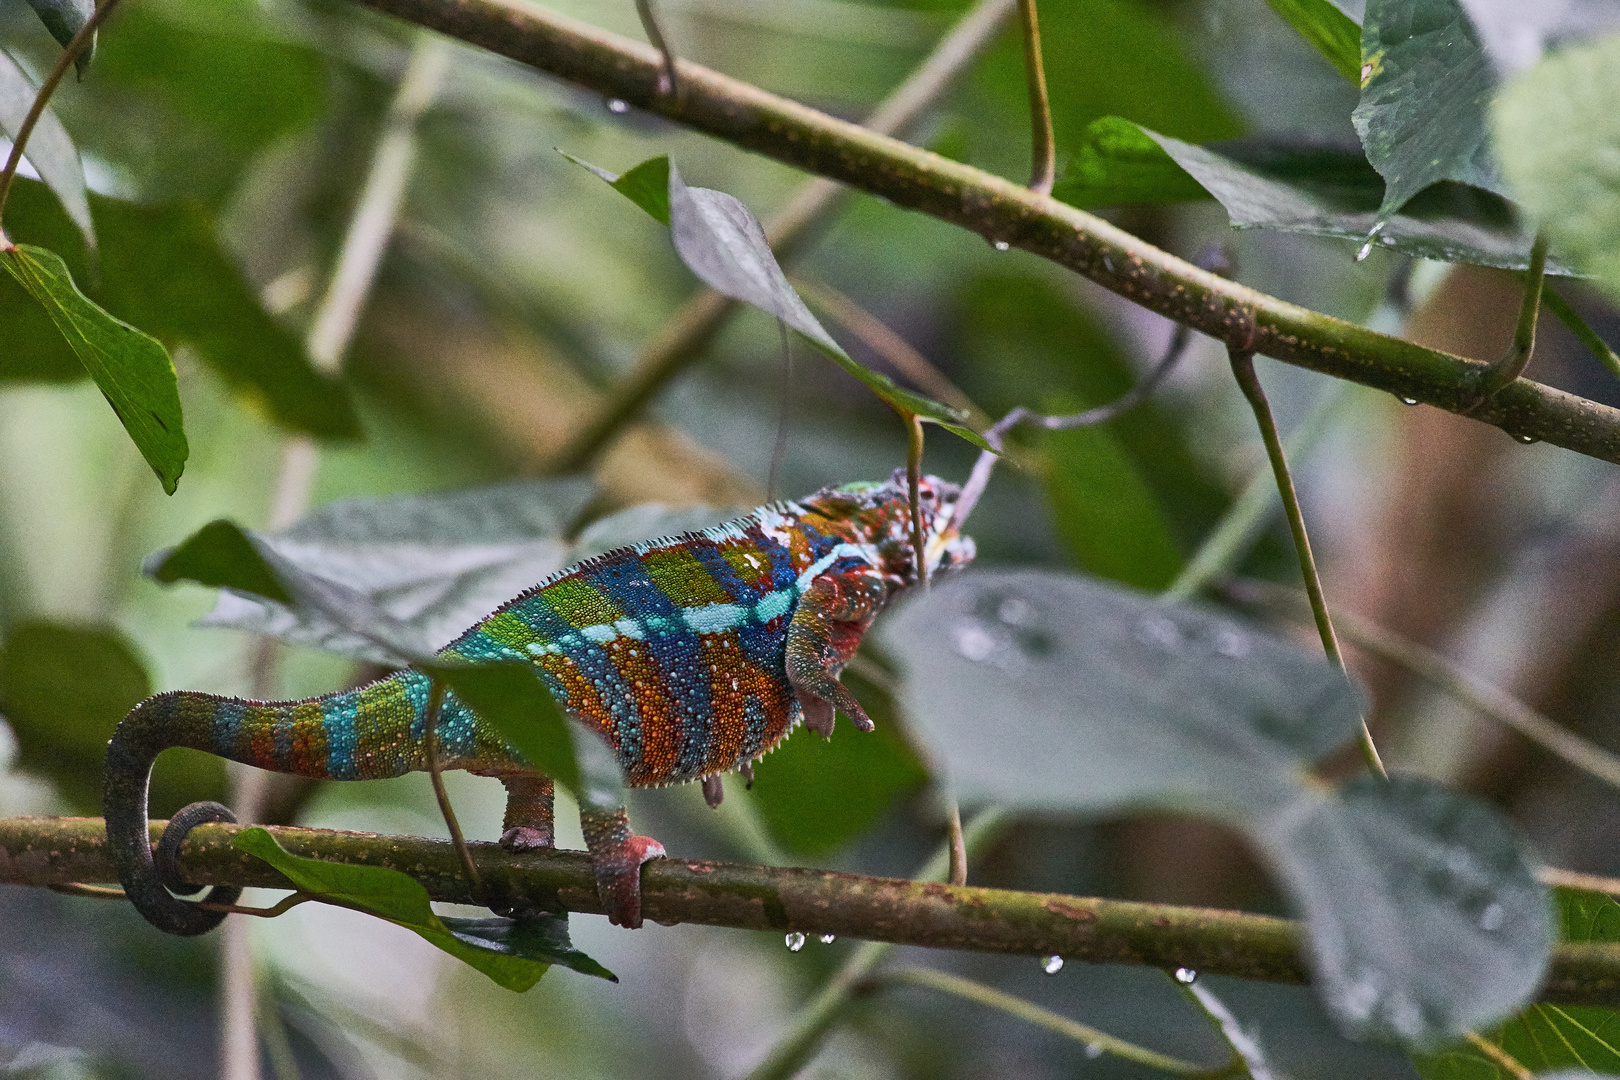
[(1330, 32), (63, 18), (1326, 192), (1055, 692), (132, 369), (1556, 128), (1425, 88), (50, 148)]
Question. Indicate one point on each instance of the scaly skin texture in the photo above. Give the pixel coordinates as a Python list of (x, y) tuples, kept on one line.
[(692, 655)]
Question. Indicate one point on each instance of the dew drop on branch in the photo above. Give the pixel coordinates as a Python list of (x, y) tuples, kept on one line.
[(828, 939), (1186, 976), (1051, 964), (1002, 245), (617, 107), (1094, 1050), (795, 941), (1409, 401)]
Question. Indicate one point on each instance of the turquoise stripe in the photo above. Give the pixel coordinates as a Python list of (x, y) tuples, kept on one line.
[(337, 717)]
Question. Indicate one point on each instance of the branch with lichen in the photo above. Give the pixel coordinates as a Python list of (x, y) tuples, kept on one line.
[(55, 852)]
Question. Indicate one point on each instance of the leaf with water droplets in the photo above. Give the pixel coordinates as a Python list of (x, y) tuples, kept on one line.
[(1424, 916)]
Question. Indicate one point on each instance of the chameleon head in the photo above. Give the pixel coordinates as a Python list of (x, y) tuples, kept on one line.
[(884, 517)]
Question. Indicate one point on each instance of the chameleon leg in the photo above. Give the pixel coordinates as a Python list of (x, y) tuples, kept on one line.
[(826, 630), (530, 824), (616, 856)]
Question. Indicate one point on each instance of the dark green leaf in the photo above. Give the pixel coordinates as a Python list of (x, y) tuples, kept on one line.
[(815, 795), (50, 149), (63, 18), (515, 959), (1555, 129), (1117, 163), (1330, 31), (517, 703), (1327, 192), (720, 240), (542, 937), (1424, 92), (200, 298), (133, 370), (219, 554), (1425, 918), (646, 185), (1105, 512)]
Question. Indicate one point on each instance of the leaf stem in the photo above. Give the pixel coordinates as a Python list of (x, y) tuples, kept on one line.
[(1249, 383), (992, 998), (668, 80), (1501, 1057), (1510, 367), (1248, 1060), (76, 45), (1566, 314), (1043, 151), (958, 845)]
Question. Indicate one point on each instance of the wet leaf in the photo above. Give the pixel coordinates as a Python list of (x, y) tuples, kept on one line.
[(1117, 163), (132, 369), (720, 240), (514, 958), (1330, 32), (50, 149), (1425, 919), (1425, 88), (1556, 128), (63, 18)]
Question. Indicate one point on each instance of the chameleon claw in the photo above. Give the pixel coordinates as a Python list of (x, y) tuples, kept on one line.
[(522, 838), (713, 791), (818, 715)]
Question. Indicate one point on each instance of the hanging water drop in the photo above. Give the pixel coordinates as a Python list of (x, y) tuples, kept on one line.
[(795, 941), (1002, 245), (828, 939), (1052, 964), (1186, 976), (617, 107), (1094, 1050), (1409, 401), (1366, 249), (1527, 439)]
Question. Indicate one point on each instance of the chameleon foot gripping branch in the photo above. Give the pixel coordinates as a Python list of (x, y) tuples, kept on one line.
[(691, 656)]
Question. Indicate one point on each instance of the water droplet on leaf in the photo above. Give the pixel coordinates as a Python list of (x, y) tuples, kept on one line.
[(1492, 918), (617, 107), (795, 941), (1015, 611), (1409, 401), (1158, 630), (1186, 976), (828, 939), (1094, 1050), (1052, 964), (1002, 245)]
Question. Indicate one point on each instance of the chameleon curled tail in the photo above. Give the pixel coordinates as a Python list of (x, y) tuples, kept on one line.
[(691, 656)]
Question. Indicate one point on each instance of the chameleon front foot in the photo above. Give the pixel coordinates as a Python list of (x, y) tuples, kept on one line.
[(616, 858)]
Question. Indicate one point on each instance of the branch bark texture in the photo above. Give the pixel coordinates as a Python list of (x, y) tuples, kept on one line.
[(59, 851), (1002, 211)]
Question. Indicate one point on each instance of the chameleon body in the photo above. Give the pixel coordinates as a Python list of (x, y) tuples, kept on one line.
[(692, 656)]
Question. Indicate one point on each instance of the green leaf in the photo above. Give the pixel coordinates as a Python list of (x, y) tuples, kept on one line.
[(63, 18), (1106, 514), (1555, 129), (1424, 916), (50, 148), (815, 795), (1326, 192), (1584, 1039), (200, 298), (1330, 32), (220, 554), (646, 185), (514, 958), (512, 698), (1424, 96), (132, 369), (1117, 163), (720, 240)]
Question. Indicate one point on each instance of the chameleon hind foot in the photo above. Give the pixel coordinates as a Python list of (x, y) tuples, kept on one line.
[(530, 824), (616, 858)]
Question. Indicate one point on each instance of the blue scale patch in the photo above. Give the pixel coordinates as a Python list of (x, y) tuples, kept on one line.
[(337, 717)]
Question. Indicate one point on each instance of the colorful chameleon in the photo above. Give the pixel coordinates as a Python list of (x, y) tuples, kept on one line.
[(692, 655)]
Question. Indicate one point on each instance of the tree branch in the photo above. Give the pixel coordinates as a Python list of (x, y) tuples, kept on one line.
[(1000, 210), (56, 851)]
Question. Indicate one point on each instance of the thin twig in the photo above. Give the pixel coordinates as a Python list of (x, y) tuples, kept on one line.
[(1510, 367), (891, 346), (1249, 382), (687, 334), (431, 746), (816, 1019), (668, 80), (1573, 879), (783, 417), (1248, 1060), (988, 996), (1043, 151), (76, 45), (996, 436), (284, 905), (1566, 314), (958, 845), (94, 892), (1501, 1057), (914, 456)]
